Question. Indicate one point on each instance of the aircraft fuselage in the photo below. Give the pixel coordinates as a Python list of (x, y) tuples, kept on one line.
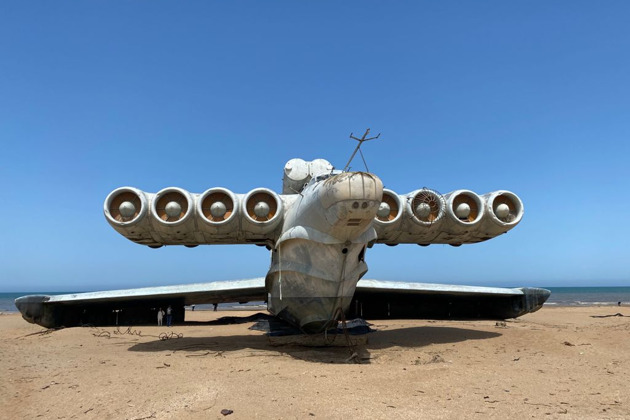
[(320, 255)]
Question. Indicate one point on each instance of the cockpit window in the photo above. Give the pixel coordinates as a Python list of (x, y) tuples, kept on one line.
[(319, 178), (322, 177)]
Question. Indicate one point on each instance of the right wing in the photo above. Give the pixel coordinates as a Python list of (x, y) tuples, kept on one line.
[(375, 299), (174, 216), (425, 217)]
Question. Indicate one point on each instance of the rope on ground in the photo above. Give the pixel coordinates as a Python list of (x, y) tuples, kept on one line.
[(169, 335), (163, 336), (354, 356), (44, 332)]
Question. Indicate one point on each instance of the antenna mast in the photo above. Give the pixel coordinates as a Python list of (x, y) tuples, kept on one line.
[(358, 148)]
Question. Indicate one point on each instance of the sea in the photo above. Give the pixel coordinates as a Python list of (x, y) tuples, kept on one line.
[(560, 296)]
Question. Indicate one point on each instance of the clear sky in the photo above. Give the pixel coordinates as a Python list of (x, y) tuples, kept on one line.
[(528, 96)]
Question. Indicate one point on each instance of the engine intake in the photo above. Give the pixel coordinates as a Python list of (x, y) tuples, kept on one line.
[(172, 206), (505, 208), (217, 206), (125, 206), (426, 207), (464, 207), (389, 216), (125, 210), (262, 210), (390, 209)]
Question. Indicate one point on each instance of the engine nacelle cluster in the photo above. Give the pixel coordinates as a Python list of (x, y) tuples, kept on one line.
[(174, 216), (426, 217)]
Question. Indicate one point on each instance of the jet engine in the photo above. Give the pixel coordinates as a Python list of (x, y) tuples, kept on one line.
[(389, 214), (464, 213), (172, 215), (425, 207), (262, 211), (504, 210), (218, 209), (424, 213), (464, 209), (390, 209), (126, 211)]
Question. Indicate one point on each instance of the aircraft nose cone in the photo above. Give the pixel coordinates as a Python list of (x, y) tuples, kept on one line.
[(351, 186), (350, 202)]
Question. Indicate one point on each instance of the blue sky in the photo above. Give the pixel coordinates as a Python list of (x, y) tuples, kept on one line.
[(529, 96)]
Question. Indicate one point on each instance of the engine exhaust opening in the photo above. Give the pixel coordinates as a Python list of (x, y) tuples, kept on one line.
[(171, 205), (125, 206), (505, 208), (217, 206), (427, 206), (389, 208), (261, 206), (465, 208)]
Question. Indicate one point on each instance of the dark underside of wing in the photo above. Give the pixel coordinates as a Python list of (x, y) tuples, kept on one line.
[(133, 306), (372, 300), (375, 299)]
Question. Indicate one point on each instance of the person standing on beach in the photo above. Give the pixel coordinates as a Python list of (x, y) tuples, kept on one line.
[(169, 316), (160, 315)]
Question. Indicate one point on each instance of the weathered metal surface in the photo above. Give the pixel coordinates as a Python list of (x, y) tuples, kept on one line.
[(317, 262)]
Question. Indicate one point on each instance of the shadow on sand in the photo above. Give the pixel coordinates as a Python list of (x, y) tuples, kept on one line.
[(260, 345)]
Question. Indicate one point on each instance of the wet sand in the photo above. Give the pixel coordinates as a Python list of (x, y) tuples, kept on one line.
[(560, 362)]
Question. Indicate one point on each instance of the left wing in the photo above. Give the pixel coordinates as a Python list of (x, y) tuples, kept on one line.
[(137, 306)]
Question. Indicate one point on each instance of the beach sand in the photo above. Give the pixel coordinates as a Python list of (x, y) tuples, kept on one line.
[(560, 362)]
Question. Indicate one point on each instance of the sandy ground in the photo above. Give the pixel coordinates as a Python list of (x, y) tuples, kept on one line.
[(556, 363)]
